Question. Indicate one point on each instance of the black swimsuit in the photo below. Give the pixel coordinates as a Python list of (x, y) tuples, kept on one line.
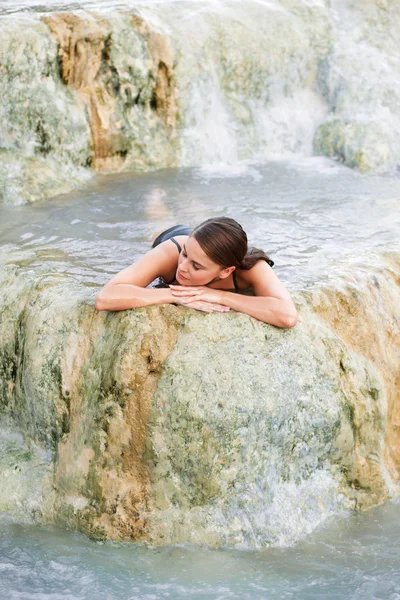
[(168, 234)]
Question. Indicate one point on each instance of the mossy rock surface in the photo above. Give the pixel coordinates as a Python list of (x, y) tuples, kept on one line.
[(166, 425)]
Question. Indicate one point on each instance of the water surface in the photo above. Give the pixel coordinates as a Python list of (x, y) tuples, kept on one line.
[(351, 558), (307, 214)]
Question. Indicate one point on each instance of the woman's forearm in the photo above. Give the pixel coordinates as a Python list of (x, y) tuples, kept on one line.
[(274, 311), (122, 296)]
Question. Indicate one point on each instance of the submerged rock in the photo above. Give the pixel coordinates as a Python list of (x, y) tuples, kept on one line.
[(166, 425), (362, 146), (28, 179)]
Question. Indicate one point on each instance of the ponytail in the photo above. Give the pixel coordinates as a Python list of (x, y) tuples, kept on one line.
[(254, 255)]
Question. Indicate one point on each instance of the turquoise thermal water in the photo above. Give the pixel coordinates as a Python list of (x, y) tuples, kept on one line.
[(351, 558)]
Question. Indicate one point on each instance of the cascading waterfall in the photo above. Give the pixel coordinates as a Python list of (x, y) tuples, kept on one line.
[(246, 78), (194, 83), (360, 81)]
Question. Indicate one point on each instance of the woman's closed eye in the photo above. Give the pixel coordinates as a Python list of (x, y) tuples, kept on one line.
[(195, 267)]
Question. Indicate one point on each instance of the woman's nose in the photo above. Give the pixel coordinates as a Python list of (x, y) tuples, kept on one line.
[(184, 264)]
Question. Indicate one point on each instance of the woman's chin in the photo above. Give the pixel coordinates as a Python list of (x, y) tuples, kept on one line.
[(182, 280)]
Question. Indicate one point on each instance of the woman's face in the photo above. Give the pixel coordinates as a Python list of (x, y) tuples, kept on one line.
[(196, 268)]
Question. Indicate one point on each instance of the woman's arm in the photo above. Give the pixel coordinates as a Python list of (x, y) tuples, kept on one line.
[(274, 311), (128, 289), (271, 304)]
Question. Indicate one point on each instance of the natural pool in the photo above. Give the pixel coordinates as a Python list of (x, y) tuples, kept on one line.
[(349, 558), (308, 214)]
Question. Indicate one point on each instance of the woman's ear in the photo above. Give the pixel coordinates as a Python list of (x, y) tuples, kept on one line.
[(226, 272)]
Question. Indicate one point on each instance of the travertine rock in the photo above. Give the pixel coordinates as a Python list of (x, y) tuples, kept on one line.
[(188, 83), (82, 91), (124, 74), (167, 425)]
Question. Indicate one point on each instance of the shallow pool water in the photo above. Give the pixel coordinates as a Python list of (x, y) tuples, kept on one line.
[(307, 214), (352, 558)]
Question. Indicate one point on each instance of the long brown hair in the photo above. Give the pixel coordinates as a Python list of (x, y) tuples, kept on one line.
[(225, 242)]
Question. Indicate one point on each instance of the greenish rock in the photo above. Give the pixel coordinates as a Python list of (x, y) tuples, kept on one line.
[(26, 478), (108, 106), (28, 179), (182, 84), (44, 132), (362, 146), (165, 425), (358, 80), (39, 115)]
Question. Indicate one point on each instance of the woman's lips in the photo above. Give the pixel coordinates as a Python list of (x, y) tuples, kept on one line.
[(178, 274)]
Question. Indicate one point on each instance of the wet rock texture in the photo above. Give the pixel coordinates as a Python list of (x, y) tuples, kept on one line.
[(124, 74), (357, 80), (81, 92), (189, 85), (166, 425)]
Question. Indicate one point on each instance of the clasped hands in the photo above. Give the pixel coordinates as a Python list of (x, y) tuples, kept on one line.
[(199, 297)]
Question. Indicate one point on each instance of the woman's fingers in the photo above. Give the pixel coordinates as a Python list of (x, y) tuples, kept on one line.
[(191, 292), (204, 306), (185, 289), (207, 306), (221, 308), (181, 291)]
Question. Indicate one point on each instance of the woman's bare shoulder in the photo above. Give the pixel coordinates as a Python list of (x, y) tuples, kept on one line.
[(264, 281), (261, 269), (160, 261), (181, 239)]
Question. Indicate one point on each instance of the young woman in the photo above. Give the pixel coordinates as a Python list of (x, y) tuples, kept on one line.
[(203, 269)]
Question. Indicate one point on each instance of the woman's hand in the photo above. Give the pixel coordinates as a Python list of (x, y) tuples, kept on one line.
[(206, 306), (199, 298), (197, 293)]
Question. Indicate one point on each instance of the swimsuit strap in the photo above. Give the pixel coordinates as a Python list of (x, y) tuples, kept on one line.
[(176, 244), (179, 250)]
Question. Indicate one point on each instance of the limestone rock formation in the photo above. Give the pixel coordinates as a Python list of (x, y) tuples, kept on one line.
[(189, 84), (167, 425), (42, 125), (124, 74), (82, 91), (362, 146)]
